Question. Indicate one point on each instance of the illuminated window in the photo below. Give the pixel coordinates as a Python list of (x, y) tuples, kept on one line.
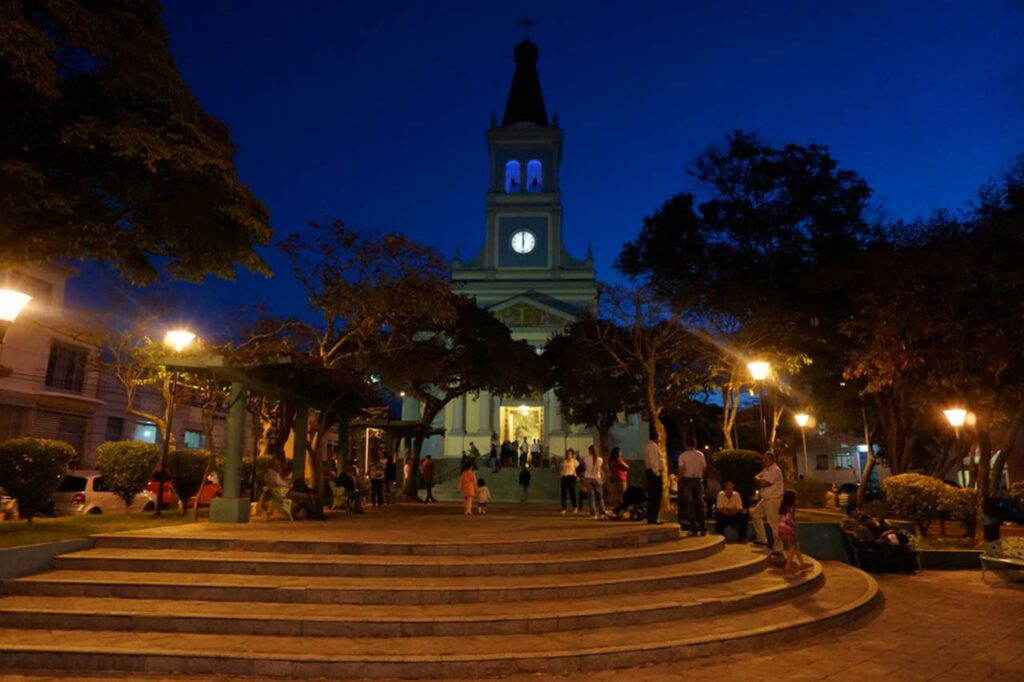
[(844, 460), (145, 432), (194, 440), (534, 176), (513, 177)]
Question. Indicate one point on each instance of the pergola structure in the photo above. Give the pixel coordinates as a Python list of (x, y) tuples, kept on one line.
[(304, 385)]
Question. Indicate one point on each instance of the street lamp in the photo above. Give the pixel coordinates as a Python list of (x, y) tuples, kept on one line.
[(802, 420), (11, 304), (759, 371), (956, 416), (177, 340)]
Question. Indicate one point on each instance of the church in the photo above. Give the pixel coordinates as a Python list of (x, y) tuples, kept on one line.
[(524, 276)]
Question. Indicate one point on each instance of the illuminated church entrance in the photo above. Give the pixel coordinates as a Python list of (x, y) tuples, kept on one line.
[(524, 421)]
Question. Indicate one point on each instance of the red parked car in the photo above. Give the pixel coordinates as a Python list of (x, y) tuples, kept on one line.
[(209, 491), (171, 499)]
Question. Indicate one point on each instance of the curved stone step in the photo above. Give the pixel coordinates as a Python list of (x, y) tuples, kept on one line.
[(268, 563), (405, 620), (734, 561), (584, 535), (846, 594)]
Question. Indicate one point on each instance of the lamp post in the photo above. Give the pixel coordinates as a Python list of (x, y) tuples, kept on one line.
[(11, 304), (957, 416), (802, 420), (759, 371), (177, 340)]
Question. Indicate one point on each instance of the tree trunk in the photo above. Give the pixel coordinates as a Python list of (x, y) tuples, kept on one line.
[(869, 465), (728, 416), (410, 487), (1008, 450)]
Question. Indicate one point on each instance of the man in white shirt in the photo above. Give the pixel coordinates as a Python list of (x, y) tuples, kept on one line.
[(654, 471), (772, 487), (567, 470), (729, 511), (691, 488)]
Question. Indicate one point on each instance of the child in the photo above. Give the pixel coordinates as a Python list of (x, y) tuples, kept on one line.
[(467, 486), (483, 495), (787, 533)]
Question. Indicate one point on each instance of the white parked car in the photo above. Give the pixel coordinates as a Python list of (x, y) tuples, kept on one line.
[(82, 492)]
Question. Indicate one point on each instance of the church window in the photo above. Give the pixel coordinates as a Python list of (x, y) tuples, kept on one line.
[(534, 176), (513, 177)]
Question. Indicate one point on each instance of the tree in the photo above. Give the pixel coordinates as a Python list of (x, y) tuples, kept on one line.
[(643, 337), (592, 388), (106, 154), (127, 467), (757, 265), (469, 351), (31, 469)]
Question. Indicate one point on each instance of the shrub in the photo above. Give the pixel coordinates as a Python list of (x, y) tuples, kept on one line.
[(127, 467), (740, 467), (961, 504), (31, 470), (915, 497), (810, 492), (262, 462), (186, 468)]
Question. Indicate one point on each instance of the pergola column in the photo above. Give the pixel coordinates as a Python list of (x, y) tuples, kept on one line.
[(486, 427), (233, 508), (459, 415)]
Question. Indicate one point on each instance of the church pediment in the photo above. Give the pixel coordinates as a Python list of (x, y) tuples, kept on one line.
[(534, 309)]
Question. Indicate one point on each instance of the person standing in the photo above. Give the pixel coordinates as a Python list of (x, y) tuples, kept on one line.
[(427, 470), (535, 453), (772, 487), (729, 511), (655, 469), (692, 466), (567, 470), (618, 473), (390, 476), (378, 470), (524, 483), (483, 496), (595, 484), (524, 452)]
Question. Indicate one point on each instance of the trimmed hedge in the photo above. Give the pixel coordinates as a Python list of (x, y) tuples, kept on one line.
[(186, 468), (810, 492), (740, 467), (31, 469), (915, 497), (127, 467), (961, 504)]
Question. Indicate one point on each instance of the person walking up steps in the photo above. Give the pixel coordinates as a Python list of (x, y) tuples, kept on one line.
[(483, 496), (524, 483), (467, 486), (427, 470), (567, 470)]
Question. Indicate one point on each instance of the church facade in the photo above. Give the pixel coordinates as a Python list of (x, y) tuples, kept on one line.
[(525, 276)]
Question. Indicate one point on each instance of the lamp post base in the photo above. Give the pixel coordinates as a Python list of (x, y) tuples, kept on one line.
[(229, 510)]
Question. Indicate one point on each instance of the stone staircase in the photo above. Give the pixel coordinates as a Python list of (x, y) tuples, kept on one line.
[(456, 600), (504, 485)]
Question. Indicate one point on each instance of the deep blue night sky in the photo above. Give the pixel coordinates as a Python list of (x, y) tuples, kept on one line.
[(375, 112)]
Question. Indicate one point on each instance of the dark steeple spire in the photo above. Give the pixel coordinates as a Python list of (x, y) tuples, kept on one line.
[(525, 99)]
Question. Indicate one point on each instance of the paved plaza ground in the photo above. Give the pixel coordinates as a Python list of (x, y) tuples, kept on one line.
[(933, 626)]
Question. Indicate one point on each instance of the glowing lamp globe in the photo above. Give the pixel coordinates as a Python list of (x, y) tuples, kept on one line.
[(955, 416), (759, 370), (802, 419), (524, 410), (179, 339), (11, 304)]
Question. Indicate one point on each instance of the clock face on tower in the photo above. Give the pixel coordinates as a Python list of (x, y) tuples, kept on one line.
[(523, 241)]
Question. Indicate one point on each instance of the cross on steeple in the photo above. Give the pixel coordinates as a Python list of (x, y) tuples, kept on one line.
[(526, 23)]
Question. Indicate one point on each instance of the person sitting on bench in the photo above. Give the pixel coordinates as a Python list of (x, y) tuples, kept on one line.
[(729, 511)]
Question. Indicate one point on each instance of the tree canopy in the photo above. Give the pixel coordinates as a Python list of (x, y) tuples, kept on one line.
[(106, 154)]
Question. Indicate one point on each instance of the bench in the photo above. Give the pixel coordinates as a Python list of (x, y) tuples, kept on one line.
[(339, 497), (1005, 557)]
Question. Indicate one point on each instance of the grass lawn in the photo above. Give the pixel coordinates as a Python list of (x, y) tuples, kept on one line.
[(19, 533)]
